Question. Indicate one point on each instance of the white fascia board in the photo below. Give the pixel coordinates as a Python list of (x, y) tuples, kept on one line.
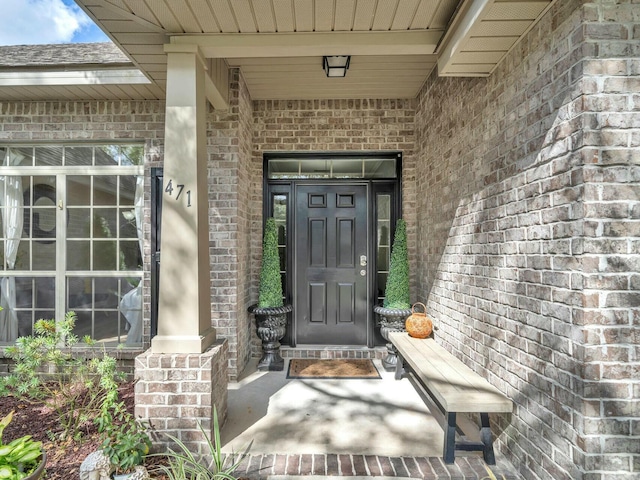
[(262, 45), (474, 14), (74, 77)]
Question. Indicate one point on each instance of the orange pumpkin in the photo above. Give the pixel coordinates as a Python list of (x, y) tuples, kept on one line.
[(418, 325)]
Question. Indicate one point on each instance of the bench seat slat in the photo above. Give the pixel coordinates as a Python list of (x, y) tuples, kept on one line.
[(454, 385)]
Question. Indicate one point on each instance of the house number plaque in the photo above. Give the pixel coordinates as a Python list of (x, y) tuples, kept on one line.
[(179, 188)]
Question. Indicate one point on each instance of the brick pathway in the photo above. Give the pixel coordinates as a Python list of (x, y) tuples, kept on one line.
[(259, 467)]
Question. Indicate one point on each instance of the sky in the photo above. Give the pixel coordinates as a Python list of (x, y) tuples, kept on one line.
[(34, 22)]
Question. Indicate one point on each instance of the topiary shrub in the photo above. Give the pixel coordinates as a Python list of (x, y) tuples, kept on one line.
[(270, 290), (397, 288)]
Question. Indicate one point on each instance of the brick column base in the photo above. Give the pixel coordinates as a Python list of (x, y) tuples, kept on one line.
[(176, 391)]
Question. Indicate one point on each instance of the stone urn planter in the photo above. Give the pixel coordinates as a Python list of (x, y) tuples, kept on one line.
[(271, 325), (391, 320)]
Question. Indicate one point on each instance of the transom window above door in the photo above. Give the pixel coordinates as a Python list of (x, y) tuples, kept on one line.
[(332, 166)]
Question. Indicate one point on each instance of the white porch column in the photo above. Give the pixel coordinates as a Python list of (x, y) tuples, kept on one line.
[(184, 310)]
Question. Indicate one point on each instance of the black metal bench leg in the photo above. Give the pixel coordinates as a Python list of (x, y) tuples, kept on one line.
[(450, 438), (399, 368), (487, 440)]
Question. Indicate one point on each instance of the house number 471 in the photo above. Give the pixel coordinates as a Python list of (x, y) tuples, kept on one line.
[(178, 188)]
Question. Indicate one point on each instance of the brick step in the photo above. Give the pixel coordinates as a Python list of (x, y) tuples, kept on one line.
[(333, 351), (266, 466)]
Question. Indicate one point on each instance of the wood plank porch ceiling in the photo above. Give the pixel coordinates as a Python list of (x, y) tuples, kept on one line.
[(278, 44)]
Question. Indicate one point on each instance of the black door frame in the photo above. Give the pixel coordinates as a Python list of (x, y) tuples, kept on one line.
[(286, 187)]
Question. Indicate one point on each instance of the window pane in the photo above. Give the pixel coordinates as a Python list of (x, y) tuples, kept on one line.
[(105, 255), (130, 258), (48, 156), (316, 168), (109, 309), (78, 190), (380, 168), (132, 155), (78, 156), (127, 190), (78, 255), (22, 156), (284, 168), (35, 300), (345, 168), (105, 190), (383, 241), (128, 223), (78, 222), (108, 155)]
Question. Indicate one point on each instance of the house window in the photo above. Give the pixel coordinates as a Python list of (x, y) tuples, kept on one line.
[(383, 243), (71, 239)]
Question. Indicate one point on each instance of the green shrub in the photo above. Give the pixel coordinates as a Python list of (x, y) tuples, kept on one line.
[(126, 441), (397, 288), (46, 369), (270, 293)]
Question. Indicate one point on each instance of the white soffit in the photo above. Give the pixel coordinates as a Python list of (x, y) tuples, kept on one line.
[(241, 31), (465, 37), (485, 32)]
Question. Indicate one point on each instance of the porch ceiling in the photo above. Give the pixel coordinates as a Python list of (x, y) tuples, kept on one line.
[(279, 44)]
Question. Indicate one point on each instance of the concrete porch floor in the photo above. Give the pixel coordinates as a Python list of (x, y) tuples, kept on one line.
[(347, 428)]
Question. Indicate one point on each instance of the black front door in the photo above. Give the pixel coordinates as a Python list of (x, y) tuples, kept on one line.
[(331, 248)]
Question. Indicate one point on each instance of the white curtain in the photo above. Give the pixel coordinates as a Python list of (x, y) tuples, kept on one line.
[(11, 199), (131, 303)]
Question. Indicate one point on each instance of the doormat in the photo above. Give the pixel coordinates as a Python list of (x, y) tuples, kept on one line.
[(335, 368)]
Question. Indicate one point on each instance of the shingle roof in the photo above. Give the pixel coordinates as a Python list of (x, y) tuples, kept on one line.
[(64, 54)]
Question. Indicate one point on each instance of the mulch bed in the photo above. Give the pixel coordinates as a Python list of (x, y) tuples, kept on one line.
[(63, 457)]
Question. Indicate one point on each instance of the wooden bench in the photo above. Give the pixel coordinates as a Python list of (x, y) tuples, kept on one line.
[(448, 384)]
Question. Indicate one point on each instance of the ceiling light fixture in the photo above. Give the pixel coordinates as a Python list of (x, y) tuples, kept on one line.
[(336, 66)]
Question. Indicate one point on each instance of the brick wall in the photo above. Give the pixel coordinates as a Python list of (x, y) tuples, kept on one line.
[(176, 394), (334, 126), (245, 231), (609, 431), (528, 231), (229, 136)]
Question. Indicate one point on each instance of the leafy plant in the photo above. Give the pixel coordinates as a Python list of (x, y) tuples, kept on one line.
[(184, 465), (47, 347), (270, 290), (397, 288), (126, 441), (19, 458), (46, 369)]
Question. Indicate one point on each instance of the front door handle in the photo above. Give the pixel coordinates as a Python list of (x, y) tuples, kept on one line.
[(363, 260)]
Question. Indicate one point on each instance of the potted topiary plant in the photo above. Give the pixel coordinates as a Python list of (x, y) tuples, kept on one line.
[(396, 306), (270, 311)]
